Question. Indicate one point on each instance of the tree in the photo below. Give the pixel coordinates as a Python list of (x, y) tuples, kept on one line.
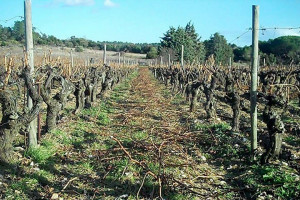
[(152, 53), (282, 49), (18, 31), (218, 46), (187, 36)]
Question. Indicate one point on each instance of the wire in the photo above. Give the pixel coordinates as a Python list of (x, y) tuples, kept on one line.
[(277, 28), (265, 29), (7, 20), (249, 29)]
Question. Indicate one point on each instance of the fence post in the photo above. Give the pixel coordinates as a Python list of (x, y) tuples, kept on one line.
[(104, 55), (29, 51), (182, 51), (254, 63)]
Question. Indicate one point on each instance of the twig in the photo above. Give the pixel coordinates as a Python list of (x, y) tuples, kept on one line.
[(69, 183), (137, 195), (133, 160)]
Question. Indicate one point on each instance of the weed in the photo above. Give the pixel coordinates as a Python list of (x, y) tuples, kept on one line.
[(282, 184), (103, 118), (139, 135), (292, 140), (40, 154)]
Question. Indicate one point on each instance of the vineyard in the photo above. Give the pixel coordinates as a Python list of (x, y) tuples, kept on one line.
[(125, 132), (180, 119)]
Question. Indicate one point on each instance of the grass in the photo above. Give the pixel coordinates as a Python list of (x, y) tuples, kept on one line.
[(280, 183), (292, 140), (43, 153)]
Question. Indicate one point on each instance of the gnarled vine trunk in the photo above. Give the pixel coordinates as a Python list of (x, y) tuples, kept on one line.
[(11, 123)]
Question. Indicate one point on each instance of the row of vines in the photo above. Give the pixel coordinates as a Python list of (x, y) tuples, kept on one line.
[(278, 96), (51, 86)]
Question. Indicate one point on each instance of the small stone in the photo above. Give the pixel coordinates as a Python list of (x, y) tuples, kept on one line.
[(203, 158), (222, 183), (19, 149), (285, 164), (54, 196)]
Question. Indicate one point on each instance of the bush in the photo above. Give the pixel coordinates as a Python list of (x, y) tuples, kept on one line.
[(79, 49)]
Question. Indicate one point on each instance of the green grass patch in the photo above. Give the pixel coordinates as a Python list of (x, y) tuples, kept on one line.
[(139, 135), (21, 189), (42, 154), (282, 184), (292, 140)]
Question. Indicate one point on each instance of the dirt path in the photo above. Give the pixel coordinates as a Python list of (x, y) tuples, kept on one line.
[(162, 151)]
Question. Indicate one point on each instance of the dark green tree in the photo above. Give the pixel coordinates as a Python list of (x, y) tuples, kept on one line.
[(18, 31), (173, 39), (217, 45), (152, 53)]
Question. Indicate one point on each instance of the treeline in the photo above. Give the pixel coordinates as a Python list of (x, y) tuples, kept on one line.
[(16, 35), (282, 50)]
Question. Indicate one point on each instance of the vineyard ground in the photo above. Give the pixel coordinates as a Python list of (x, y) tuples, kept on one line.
[(140, 141)]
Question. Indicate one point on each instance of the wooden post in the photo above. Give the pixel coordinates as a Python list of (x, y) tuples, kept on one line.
[(72, 60), (119, 55), (39, 117), (264, 62), (230, 63), (169, 60), (123, 59), (182, 51), (29, 51), (254, 63), (5, 61), (161, 61), (104, 55)]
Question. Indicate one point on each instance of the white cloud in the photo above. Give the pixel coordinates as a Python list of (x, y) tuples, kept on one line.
[(109, 3), (77, 2)]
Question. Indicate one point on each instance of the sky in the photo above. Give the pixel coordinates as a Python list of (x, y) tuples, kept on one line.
[(146, 21)]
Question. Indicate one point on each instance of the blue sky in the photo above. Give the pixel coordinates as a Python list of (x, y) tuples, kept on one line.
[(147, 20)]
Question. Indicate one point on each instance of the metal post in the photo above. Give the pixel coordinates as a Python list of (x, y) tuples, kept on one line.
[(182, 51), (230, 62), (29, 51), (104, 54), (254, 63)]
